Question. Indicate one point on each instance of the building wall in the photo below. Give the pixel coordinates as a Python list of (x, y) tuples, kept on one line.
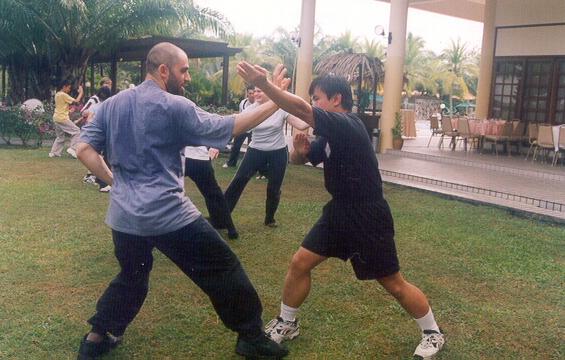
[(523, 27)]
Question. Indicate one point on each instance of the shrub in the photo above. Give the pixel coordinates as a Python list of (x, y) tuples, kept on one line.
[(397, 127), (17, 122)]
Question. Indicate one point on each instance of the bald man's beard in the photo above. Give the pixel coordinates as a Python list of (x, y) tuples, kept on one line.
[(174, 87)]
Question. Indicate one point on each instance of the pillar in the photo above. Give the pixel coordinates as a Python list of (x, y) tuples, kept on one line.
[(225, 78), (394, 70), (305, 49), (487, 59)]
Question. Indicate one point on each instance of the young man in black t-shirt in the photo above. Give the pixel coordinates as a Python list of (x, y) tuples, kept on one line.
[(357, 223)]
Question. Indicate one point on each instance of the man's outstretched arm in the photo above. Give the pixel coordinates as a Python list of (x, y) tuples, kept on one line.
[(94, 162), (290, 103)]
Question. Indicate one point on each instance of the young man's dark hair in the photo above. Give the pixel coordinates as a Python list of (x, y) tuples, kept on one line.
[(250, 87), (332, 85), (65, 82)]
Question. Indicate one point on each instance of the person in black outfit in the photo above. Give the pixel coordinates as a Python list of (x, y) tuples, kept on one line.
[(356, 224), (238, 140), (198, 167)]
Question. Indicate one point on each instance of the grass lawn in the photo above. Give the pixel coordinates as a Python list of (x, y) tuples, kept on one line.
[(495, 281)]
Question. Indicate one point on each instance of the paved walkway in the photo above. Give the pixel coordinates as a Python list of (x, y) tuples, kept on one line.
[(523, 187)]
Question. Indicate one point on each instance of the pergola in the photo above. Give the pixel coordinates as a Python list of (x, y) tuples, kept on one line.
[(137, 49)]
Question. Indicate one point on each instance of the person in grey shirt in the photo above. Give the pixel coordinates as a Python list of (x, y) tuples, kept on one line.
[(143, 132)]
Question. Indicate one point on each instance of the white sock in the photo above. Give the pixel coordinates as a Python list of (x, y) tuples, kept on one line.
[(428, 322), (288, 313)]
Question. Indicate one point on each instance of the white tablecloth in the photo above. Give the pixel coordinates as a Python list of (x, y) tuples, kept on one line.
[(556, 136)]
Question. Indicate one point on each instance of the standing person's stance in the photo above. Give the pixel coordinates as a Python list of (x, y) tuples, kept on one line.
[(143, 132), (238, 140), (268, 154), (357, 223), (63, 124), (198, 167)]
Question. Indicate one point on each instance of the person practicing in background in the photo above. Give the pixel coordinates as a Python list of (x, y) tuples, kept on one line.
[(144, 132), (198, 167), (238, 140), (106, 81), (88, 112), (266, 152), (63, 124), (357, 223)]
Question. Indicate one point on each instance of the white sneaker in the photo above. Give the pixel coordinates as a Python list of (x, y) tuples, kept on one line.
[(72, 152), (105, 189), (225, 166), (89, 179), (279, 330), (431, 343), (52, 155)]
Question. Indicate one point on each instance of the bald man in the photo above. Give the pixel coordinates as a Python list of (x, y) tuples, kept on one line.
[(143, 132)]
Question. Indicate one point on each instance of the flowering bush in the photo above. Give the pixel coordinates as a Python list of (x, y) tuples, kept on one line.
[(28, 126)]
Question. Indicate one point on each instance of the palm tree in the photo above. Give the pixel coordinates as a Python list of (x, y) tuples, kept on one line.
[(460, 66), (58, 37), (373, 49)]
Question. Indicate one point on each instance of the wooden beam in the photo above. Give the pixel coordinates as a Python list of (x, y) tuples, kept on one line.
[(114, 72)]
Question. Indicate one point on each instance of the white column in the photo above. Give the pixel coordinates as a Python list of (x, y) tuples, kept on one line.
[(487, 59), (305, 49), (394, 70)]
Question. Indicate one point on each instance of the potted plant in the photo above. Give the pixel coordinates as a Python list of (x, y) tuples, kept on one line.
[(397, 140)]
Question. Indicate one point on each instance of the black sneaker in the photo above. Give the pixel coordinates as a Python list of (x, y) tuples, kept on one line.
[(89, 350), (271, 223), (233, 234), (260, 348)]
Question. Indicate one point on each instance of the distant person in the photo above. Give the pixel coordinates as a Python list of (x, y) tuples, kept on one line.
[(356, 224), (238, 140), (106, 81), (143, 132), (268, 154), (63, 124), (88, 112), (198, 167)]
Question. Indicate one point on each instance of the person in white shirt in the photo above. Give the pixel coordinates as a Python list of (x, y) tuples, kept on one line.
[(238, 140), (198, 167), (266, 152)]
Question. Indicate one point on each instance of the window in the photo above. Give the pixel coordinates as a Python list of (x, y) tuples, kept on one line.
[(530, 89), (560, 101), (507, 79)]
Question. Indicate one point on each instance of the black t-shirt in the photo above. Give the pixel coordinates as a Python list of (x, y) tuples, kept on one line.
[(351, 170)]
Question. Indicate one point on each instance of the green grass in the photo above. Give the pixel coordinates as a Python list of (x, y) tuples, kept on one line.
[(495, 281)]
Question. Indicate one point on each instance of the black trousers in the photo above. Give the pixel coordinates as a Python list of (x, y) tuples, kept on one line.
[(199, 251), (274, 164), (202, 173), (236, 147)]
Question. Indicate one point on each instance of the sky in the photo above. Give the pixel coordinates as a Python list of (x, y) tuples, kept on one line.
[(334, 17)]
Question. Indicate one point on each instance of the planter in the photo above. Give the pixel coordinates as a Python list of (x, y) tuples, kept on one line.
[(397, 143)]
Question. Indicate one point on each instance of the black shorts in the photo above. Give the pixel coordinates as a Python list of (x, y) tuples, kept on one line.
[(362, 232)]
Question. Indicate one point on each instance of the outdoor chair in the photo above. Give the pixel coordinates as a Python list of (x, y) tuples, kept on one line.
[(560, 145), (503, 138), (434, 128), (532, 137), (464, 133), (447, 130), (517, 136), (545, 141)]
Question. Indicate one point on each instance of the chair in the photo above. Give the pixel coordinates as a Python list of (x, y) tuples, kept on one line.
[(447, 130), (560, 145), (464, 133), (517, 136), (434, 128), (532, 137), (545, 140), (504, 137)]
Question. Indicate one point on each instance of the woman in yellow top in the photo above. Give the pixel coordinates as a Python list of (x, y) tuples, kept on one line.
[(63, 124)]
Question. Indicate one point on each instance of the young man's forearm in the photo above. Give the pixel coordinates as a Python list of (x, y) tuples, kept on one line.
[(290, 103)]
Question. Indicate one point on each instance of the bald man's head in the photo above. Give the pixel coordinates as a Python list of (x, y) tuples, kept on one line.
[(163, 53)]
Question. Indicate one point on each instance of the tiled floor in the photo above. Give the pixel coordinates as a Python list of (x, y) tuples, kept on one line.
[(524, 187)]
